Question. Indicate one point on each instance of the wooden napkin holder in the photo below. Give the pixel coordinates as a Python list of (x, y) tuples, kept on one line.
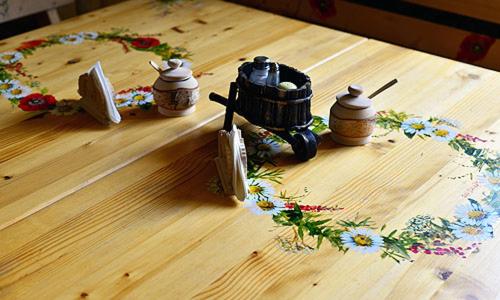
[(97, 96)]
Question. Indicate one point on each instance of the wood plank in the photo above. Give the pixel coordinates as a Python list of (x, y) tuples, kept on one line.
[(152, 230), (51, 157), (479, 9)]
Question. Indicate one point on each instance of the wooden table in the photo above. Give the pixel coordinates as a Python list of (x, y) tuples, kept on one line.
[(130, 210)]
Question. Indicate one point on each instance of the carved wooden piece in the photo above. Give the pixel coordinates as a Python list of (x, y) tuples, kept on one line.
[(97, 96), (232, 162), (175, 91)]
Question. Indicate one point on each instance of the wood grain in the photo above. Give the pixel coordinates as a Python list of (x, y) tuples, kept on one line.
[(152, 230), (49, 158)]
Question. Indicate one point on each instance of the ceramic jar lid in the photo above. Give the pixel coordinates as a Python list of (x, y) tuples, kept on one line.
[(175, 72), (353, 99)]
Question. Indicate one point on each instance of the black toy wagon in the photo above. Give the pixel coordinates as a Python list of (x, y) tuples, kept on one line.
[(286, 113)]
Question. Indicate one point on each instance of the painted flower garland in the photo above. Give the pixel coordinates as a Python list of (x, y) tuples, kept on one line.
[(461, 235), (23, 91)]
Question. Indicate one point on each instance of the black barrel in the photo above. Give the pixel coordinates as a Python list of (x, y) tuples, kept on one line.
[(271, 107)]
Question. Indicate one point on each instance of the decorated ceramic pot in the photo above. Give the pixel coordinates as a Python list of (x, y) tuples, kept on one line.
[(352, 118), (176, 91)]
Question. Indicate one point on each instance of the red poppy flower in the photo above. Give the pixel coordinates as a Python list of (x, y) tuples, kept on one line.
[(325, 8), (145, 89), (36, 102), (145, 42), (30, 44), (474, 47)]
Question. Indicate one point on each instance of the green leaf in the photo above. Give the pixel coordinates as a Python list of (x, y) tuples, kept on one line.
[(300, 231), (409, 135), (320, 240)]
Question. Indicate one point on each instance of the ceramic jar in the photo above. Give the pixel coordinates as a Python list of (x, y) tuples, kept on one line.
[(176, 91), (352, 118)]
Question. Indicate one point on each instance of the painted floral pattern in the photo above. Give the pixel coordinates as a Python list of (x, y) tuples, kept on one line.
[(474, 47), (22, 90), (312, 225), (324, 8)]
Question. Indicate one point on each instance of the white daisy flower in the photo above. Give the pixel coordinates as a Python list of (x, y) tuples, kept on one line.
[(10, 57), (17, 92), (71, 39), (263, 148), (473, 233), (8, 84), (259, 189), (443, 133), (416, 126), (475, 214), (264, 206), (142, 97), (122, 100), (89, 35), (493, 199), (362, 240), (490, 179)]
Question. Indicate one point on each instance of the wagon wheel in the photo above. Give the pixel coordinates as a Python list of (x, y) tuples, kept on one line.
[(305, 145)]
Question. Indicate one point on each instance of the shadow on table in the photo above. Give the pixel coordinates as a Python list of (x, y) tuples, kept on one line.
[(184, 173), (287, 157)]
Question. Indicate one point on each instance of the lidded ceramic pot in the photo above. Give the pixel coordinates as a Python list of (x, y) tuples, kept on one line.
[(352, 117), (176, 91)]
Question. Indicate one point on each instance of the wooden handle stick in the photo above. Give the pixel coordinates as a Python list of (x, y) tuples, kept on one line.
[(155, 66), (383, 88)]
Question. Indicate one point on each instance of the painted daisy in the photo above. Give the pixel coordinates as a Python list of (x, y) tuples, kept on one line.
[(89, 35), (8, 84), (443, 133), (259, 189), (470, 232), (493, 199), (141, 97), (416, 126), (264, 206), (10, 57), (475, 214), (264, 148), (362, 240), (71, 39), (122, 100), (490, 179), (17, 92)]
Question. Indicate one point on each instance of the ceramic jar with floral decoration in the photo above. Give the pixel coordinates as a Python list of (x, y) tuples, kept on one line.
[(175, 91)]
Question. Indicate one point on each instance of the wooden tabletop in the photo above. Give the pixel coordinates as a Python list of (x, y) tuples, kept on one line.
[(135, 210)]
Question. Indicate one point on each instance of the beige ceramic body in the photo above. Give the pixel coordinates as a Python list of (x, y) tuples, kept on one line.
[(176, 98), (351, 127)]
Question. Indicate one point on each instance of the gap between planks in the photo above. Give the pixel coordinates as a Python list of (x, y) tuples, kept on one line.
[(159, 145)]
